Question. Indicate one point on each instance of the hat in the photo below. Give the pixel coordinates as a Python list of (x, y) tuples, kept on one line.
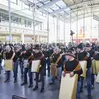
[(70, 53), (57, 49), (8, 48), (87, 45), (80, 46), (37, 46)]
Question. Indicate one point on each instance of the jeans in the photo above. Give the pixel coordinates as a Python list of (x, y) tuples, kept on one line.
[(0, 68), (48, 65), (28, 71), (59, 72), (30, 76), (42, 78), (78, 90), (92, 79), (15, 70), (7, 75), (52, 79), (44, 67), (88, 78), (21, 67), (25, 74), (82, 83)]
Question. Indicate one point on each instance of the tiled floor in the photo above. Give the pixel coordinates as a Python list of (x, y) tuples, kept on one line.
[(51, 92)]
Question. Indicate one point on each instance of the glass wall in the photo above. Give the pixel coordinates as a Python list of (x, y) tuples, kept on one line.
[(85, 28)]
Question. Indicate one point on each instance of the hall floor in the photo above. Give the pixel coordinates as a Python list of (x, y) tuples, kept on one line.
[(51, 92)]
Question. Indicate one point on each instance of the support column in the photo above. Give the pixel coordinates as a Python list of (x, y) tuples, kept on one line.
[(22, 38), (54, 28), (57, 29), (9, 9), (70, 19), (48, 28), (98, 30), (64, 27), (71, 38), (91, 24), (33, 26), (77, 26), (84, 24), (59, 38), (39, 38)]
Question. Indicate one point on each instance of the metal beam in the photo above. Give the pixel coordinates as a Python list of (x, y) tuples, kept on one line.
[(58, 11), (48, 28), (49, 4), (9, 9), (81, 16), (77, 4), (62, 9)]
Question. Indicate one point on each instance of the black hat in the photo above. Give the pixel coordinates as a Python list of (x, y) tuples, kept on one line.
[(80, 46), (87, 45), (37, 46), (70, 53)]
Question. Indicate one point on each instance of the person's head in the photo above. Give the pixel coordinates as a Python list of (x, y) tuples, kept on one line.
[(8, 48), (56, 50), (17, 48), (80, 47), (88, 47), (37, 48), (69, 55), (27, 47)]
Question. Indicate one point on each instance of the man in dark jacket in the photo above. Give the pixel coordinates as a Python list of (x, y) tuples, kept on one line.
[(73, 67)]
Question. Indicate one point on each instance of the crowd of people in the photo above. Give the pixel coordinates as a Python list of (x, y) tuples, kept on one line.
[(56, 60)]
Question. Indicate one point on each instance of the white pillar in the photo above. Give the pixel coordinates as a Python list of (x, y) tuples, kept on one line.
[(84, 24), (22, 38), (33, 12), (70, 18), (48, 28), (9, 9), (98, 30), (64, 27), (57, 29), (77, 25), (91, 23)]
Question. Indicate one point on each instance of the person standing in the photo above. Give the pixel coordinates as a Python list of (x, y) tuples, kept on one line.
[(72, 66), (38, 55), (26, 55), (55, 58), (9, 55), (1, 57), (16, 61), (84, 55)]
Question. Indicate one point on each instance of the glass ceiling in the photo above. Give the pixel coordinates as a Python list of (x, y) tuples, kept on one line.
[(58, 7), (61, 4)]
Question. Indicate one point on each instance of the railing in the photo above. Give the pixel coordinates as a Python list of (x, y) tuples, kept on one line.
[(29, 31), (18, 8)]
